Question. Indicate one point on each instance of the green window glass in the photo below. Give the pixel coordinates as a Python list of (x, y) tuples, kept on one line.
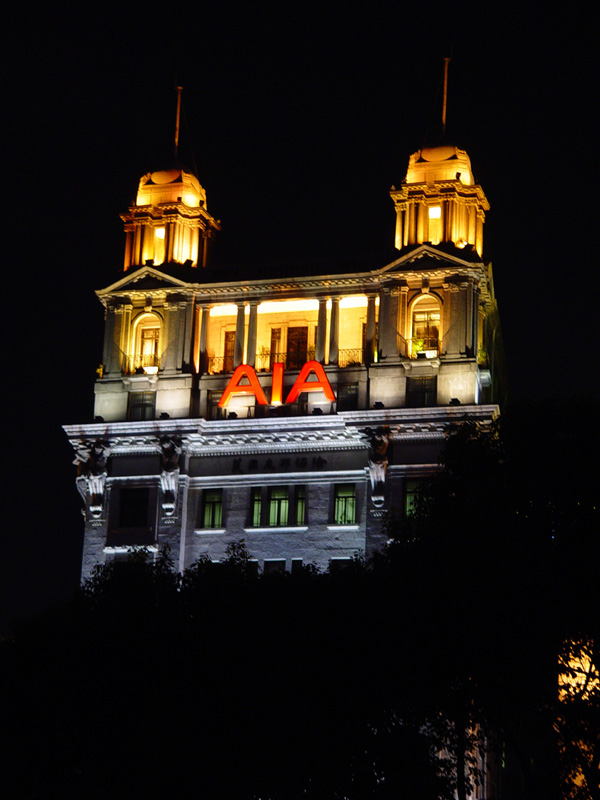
[(300, 505), (256, 507), (213, 508), (344, 512), (279, 504)]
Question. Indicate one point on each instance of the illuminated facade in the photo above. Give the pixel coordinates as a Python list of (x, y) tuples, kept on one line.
[(293, 413)]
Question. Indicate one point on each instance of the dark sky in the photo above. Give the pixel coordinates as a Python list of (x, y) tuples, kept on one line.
[(298, 120)]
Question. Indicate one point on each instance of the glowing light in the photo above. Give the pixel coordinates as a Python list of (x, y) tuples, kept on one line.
[(354, 301), (227, 310), (159, 233), (435, 212), (277, 385), (283, 306), (303, 385), (236, 387)]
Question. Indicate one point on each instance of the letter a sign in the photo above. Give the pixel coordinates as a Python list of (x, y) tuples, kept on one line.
[(302, 384)]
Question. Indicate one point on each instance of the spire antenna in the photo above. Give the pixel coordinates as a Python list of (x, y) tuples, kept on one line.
[(178, 114), (444, 102)]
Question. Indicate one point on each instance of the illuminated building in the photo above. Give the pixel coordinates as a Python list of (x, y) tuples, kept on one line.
[(304, 474)]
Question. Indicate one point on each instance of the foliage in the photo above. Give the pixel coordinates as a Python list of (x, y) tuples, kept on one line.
[(389, 678)]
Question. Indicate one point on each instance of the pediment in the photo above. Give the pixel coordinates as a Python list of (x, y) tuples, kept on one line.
[(426, 256), (144, 279)]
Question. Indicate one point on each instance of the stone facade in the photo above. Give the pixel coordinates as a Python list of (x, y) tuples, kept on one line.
[(394, 355)]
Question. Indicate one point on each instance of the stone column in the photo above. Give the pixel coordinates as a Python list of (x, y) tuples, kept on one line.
[(168, 364), (388, 323), (252, 331), (402, 327), (238, 353), (181, 308), (384, 323), (369, 355), (203, 355), (187, 342), (334, 330), (108, 355), (321, 330), (469, 316)]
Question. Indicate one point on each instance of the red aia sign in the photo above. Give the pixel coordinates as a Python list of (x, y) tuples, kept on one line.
[(301, 384)]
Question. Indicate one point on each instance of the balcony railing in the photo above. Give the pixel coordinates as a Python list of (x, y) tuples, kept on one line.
[(219, 364), (423, 347), (141, 362), (350, 358)]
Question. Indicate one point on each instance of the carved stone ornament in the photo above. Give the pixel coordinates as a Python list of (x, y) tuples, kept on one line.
[(379, 439), (168, 483), (170, 447), (90, 459)]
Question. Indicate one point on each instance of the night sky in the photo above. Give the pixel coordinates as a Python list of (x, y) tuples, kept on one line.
[(298, 120)]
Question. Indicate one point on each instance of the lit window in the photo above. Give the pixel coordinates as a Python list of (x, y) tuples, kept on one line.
[(146, 345), (212, 516), (411, 490), (425, 323), (279, 504), (435, 224), (344, 511), (300, 505), (256, 507)]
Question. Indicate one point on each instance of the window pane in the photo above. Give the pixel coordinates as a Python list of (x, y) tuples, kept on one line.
[(213, 508), (278, 506), (345, 505), (300, 505), (256, 507)]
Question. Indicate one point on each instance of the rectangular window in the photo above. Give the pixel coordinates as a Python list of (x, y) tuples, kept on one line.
[(276, 356), (300, 505), (421, 392), (344, 511), (229, 351), (141, 406), (411, 489), (297, 347), (279, 505), (347, 397), (132, 516), (212, 516), (256, 507)]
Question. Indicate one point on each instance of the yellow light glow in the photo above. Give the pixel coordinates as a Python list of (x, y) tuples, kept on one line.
[(227, 310), (286, 306), (435, 212), (354, 301), (190, 200), (159, 233), (150, 370), (283, 306), (578, 675)]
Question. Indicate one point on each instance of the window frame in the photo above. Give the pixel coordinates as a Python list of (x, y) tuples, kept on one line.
[(346, 492)]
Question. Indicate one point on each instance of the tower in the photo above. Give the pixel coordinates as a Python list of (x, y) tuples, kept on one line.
[(295, 413)]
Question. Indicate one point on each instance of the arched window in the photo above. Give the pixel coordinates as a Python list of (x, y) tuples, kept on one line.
[(145, 354), (425, 327)]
